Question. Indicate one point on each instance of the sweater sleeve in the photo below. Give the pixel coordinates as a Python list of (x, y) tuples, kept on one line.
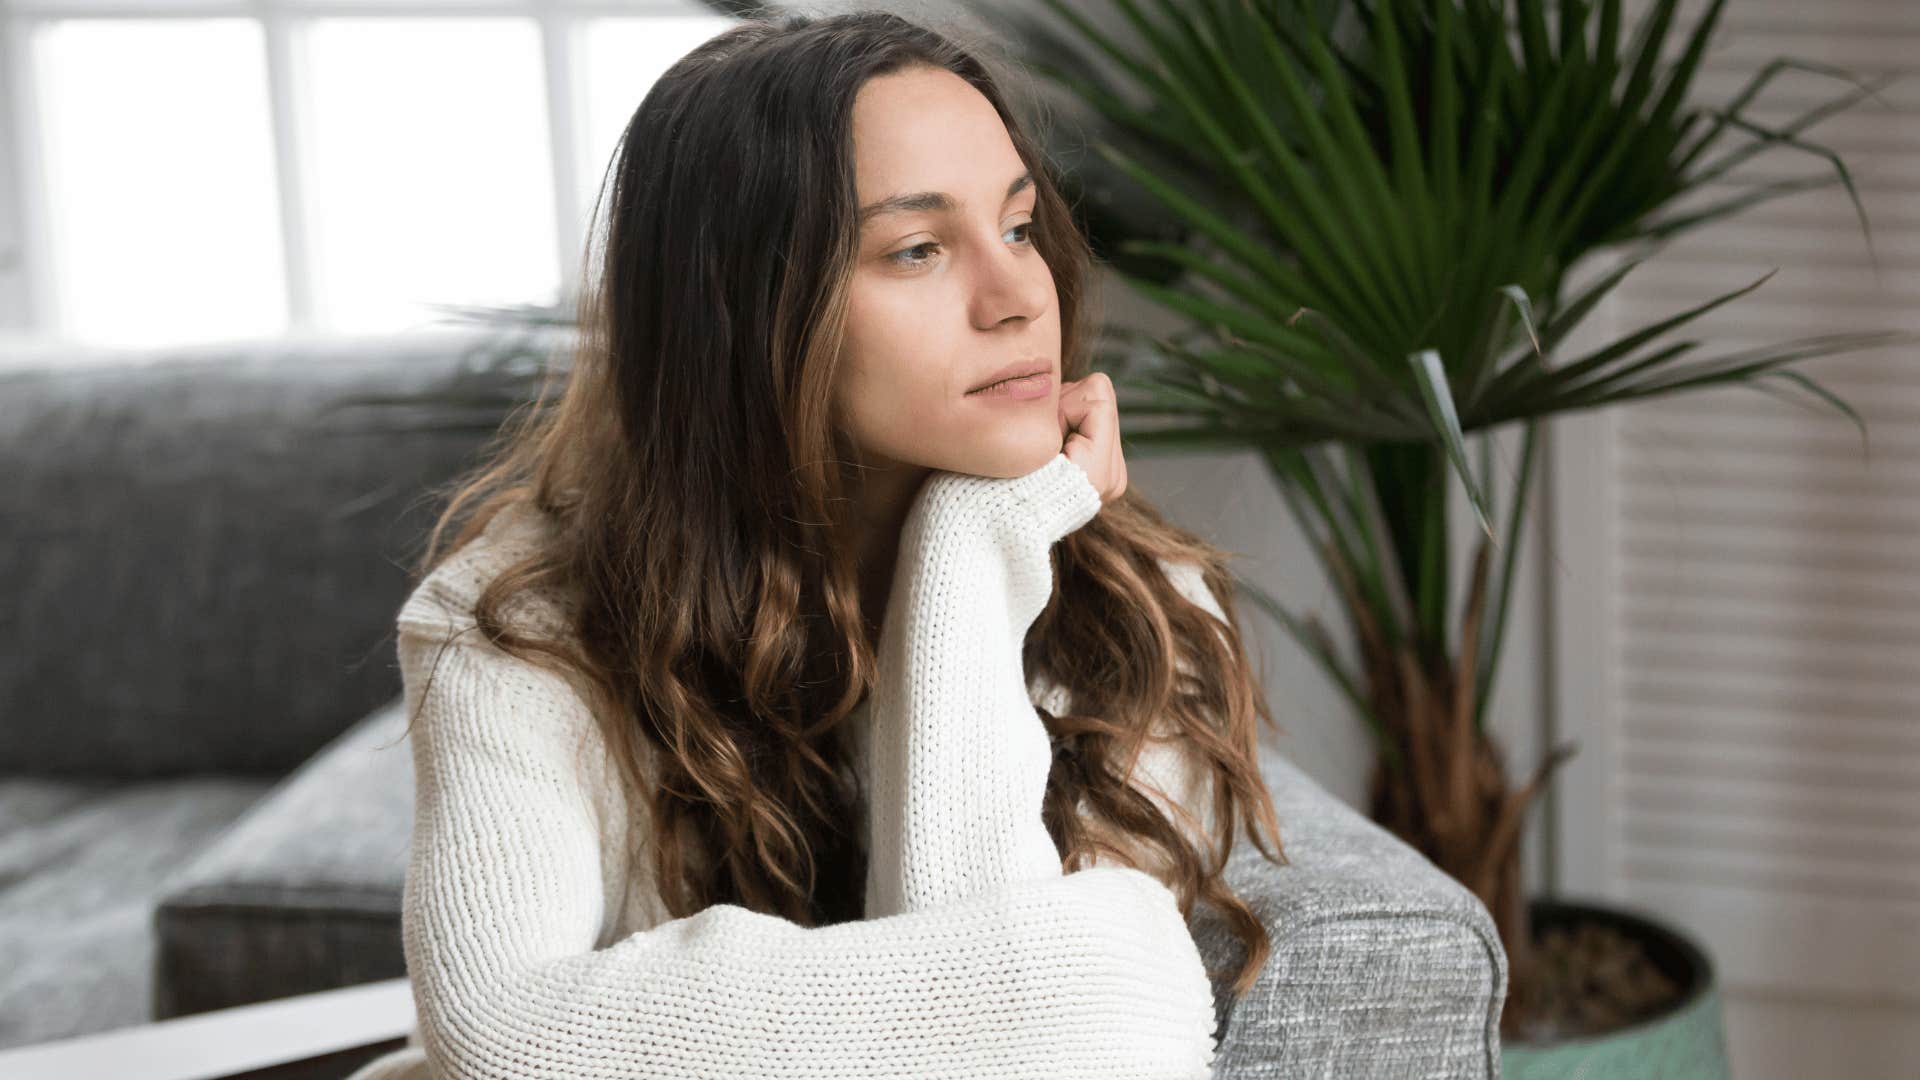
[(957, 756), (959, 767), (1087, 975)]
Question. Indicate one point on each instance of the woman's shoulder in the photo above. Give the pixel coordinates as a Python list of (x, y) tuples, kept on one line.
[(442, 603)]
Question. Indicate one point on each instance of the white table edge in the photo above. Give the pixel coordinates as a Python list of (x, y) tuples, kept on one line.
[(225, 1041)]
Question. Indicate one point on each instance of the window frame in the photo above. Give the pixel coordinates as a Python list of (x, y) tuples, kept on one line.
[(27, 280)]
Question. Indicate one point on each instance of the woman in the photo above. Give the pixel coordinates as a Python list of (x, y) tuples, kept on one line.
[(727, 759)]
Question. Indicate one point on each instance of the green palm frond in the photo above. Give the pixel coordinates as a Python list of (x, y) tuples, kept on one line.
[(1393, 194)]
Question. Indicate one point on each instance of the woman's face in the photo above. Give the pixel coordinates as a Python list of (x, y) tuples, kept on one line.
[(948, 288)]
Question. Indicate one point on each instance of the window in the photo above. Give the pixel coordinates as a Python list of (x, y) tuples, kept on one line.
[(203, 169)]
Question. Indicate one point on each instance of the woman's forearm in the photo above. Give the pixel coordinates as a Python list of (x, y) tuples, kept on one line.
[(957, 756)]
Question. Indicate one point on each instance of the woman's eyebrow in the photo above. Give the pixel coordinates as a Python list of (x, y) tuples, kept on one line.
[(939, 201)]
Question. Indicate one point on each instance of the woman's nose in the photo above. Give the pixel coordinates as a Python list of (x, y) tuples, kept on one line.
[(1013, 284)]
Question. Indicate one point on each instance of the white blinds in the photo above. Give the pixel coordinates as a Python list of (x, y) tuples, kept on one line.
[(1761, 773)]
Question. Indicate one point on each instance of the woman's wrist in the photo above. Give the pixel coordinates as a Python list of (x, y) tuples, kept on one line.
[(1058, 497), (999, 531), (1045, 504)]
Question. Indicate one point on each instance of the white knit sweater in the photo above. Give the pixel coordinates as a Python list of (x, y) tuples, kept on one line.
[(536, 948)]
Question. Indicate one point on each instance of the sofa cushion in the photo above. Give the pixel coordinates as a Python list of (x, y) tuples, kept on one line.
[(302, 893), (82, 864)]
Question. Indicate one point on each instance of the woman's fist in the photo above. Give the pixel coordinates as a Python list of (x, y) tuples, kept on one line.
[(1090, 433)]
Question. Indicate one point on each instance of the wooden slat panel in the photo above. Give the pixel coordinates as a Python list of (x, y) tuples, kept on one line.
[(1766, 618)]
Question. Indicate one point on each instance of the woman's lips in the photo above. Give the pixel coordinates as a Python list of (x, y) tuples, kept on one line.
[(1032, 386)]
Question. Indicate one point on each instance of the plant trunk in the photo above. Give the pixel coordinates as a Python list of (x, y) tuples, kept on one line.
[(1457, 837), (1451, 799)]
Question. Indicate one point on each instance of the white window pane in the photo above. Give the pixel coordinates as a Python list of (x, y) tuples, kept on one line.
[(162, 204), (624, 56), (431, 180)]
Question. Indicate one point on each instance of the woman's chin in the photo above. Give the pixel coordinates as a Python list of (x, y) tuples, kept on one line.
[(1014, 460)]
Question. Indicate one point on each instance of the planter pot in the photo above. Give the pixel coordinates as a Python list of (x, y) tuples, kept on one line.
[(1684, 1041)]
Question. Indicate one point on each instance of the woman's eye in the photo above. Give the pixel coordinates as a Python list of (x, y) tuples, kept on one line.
[(903, 256), (896, 256)]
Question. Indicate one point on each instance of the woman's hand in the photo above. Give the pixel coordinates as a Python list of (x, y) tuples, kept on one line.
[(1090, 430)]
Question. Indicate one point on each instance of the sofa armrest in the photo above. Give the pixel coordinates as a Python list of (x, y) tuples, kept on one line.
[(1382, 964), (302, 892)]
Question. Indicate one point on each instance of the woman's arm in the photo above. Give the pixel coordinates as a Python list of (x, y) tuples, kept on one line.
[(1084, 975), (960, 774), (957, 756)]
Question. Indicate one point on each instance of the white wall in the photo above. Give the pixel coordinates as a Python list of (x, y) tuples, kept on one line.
[(13, 279)]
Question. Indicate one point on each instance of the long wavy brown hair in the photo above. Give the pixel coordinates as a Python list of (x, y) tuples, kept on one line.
[(687, 460)]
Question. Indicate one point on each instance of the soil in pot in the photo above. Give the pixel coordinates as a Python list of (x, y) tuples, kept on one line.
[(1587, 978), (1610, 994)]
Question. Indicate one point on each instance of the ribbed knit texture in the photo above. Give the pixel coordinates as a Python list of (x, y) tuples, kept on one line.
[(536, 949)]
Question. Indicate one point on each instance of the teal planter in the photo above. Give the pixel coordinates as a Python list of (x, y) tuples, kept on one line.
[(1687, 1042)]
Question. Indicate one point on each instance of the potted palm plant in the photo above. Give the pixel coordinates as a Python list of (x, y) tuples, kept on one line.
[(1377, 206)]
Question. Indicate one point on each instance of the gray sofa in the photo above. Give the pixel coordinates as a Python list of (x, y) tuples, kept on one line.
[(203, 798)]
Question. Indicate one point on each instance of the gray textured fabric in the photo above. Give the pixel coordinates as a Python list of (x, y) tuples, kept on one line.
[(81, 865), (1382, 965), (303, 892), (203, 563)]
